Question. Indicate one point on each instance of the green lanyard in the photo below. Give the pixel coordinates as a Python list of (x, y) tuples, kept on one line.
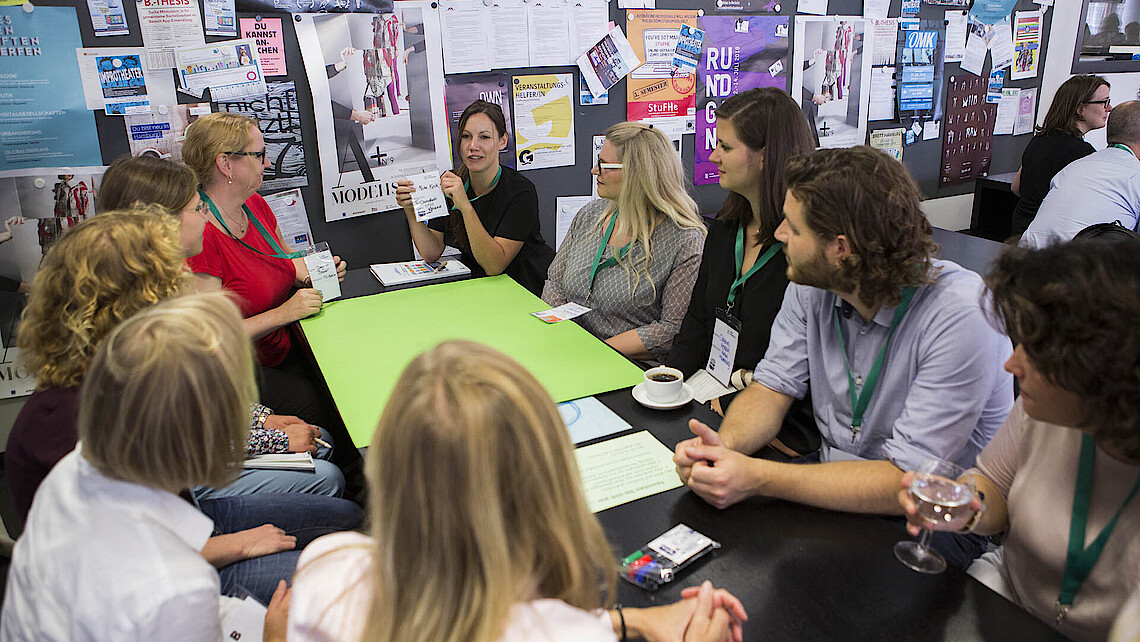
[(599, 264), (761, 262), (280, 253), (494, 183), (1079, 561), (859, 404), (1125, 148)]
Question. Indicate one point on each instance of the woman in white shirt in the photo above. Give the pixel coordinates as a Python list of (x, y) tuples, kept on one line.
[(110, 550), (480, 530)]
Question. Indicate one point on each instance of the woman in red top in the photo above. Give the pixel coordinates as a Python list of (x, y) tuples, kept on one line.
[(242, 251)]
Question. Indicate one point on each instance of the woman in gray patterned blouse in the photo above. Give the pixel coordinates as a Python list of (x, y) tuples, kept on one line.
[(633, 255)]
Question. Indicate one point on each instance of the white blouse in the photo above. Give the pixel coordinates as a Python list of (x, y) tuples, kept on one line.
[(333, 587)]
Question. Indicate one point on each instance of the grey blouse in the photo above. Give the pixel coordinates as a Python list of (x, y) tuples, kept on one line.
[(621, 301)]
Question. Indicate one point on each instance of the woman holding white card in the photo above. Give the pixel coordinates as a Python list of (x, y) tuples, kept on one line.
[(743, 270), (633, 254), (503, 548), (493, 219), (243, 251)]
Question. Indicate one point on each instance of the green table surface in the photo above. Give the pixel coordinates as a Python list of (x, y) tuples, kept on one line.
[(363, 344)]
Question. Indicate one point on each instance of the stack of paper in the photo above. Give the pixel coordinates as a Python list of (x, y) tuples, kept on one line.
[(414, 271), (281, 461)]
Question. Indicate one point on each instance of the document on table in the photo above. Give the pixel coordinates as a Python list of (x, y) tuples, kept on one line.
[(705, 386), (587, 418), (623, 469)]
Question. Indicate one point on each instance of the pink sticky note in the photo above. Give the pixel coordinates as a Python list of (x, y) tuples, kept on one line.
[(270, 46)]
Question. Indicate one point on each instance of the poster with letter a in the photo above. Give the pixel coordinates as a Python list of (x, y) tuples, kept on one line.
[(544, 120), (44, 121), (658, 88), (740, 53), (377, 85)]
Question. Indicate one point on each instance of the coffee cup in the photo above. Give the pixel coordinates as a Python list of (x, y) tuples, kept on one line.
[(663, 384)]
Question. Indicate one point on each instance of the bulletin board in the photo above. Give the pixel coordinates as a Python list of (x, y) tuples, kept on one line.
[(384, 237)]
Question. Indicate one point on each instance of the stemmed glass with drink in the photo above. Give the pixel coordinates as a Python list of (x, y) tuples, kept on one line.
[(944, 501)]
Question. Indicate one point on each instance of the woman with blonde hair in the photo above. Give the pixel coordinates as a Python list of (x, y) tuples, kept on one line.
[(632, 255), (111, 552), (243, 251), (503, 547), (97, 275)]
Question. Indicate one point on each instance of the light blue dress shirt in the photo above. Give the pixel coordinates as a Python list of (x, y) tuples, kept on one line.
[(942, 390)]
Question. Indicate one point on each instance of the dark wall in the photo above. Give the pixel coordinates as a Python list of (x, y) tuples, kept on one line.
[(384, 237)]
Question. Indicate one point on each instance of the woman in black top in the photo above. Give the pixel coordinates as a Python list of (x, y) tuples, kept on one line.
[(1080, 105), (494, 213), (743, 273)]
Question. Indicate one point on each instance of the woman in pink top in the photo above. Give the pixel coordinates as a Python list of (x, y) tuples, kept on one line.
[(480, 530), (1061, 476)]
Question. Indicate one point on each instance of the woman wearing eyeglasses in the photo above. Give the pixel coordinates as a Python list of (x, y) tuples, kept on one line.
[(242, 251), (494, 212), (632, 256), (1080, 105)]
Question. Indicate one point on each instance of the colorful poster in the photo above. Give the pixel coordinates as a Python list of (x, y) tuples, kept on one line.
[(658, 88), (464, 90), (108, 18), (220, 17), (1026, 45), (740, 53), (229, 69), (997, 83), (916, 70), (266, 34), (544, 120), (607, 62), (161, 132), (123, 85), (44, 121), (831, 77), (278, 116), (378, 99), (967, 142)]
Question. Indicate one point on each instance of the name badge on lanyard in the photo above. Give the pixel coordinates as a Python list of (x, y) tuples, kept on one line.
[(722, 355)]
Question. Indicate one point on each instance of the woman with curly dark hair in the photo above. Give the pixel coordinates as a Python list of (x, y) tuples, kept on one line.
[(1061, 475)]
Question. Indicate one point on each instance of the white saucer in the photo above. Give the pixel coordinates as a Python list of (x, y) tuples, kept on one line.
[(685, 397)]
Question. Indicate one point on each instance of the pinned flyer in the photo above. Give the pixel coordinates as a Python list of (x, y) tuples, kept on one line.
[(688, 52), (322, 271), (428, 200), (562, 312), (608, 62)]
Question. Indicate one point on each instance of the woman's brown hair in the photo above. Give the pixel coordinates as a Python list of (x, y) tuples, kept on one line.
[(1071, 95)]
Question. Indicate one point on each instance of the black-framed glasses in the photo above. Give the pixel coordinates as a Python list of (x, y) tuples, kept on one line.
[(1103, 103), (259, 155)]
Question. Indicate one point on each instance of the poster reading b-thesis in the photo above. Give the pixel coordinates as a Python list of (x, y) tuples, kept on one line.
[(44, 121), (377, 85), (544, 120)]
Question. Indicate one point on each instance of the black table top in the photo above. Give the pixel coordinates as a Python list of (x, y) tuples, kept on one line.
[(805, 573), (802, 573)]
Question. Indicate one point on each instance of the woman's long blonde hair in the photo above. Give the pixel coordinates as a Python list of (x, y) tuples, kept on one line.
[(476, 502), (653, 183)]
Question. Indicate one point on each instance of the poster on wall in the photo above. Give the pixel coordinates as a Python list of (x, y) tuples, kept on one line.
[(160, 132), (123, 85), (278, 117), (659, 88), (967, 142), (52, 201), (230, 70), (1026, 44), (544, 120), (166, 26), (44, 121), (740, 53), (464, 90), (378, 99), (831, 77), (108, 18), (266, 34)]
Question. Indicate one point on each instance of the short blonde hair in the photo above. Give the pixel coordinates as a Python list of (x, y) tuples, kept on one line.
[(211, 135), (476, 502), (166, 401), (100, 272)]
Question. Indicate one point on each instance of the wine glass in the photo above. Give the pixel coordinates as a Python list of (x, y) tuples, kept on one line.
[(944, 503)]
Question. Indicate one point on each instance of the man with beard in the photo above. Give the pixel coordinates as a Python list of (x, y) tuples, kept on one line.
[(902, 363)]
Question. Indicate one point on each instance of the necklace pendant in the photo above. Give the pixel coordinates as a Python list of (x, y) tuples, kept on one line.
[(854, 433), (1062, 611)]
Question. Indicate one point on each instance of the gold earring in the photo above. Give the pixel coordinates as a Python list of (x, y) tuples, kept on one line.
[(230, 180)]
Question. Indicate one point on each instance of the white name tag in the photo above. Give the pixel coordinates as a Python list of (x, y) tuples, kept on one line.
[(322, 271), (722, 353)]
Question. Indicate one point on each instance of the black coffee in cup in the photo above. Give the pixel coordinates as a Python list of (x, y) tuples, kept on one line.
[(663, 377)]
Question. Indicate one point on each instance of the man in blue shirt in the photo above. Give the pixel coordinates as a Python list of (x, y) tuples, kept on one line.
[(902, 362)]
